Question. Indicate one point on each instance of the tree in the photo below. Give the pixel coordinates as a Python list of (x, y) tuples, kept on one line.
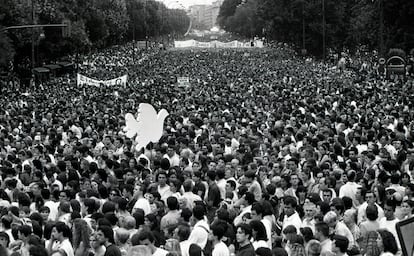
[(6, 49)]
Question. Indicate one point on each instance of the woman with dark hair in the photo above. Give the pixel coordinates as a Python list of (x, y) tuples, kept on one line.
[(80, 238), (152, 224), (369, 245), (386, 242), (259, 234), (301, 195)]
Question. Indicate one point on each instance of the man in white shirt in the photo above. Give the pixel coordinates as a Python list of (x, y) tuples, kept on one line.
[(389, 221), (322, 234), (142, 202), (172, 157), (216, 235), (189, 196), (291, 216), (339, 227), (182, 233), (199, 234), (369, 200), (60, 235), (162, 188), (350, 188)]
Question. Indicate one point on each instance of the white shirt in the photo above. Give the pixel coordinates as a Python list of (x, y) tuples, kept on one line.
[(268, 225), (65, 245), (54, 212), (239, 219), (220, 249), (185, 248), (221, 184), (260, 243), (343, 230), (143, 204), (174, 160), (191, 198), (160, 252), (294, 220), (199, 235), (390, 226), (349, 190), (362, 215), (165, 192)]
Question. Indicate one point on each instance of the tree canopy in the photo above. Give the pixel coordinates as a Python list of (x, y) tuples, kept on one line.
[(93, 24), (349, 23)]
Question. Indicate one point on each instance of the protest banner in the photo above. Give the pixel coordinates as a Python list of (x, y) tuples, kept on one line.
[(218, 44), (183, 82), (120, 81)]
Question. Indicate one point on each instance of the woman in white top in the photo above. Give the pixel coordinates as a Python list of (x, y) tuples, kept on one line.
[(259, 234)]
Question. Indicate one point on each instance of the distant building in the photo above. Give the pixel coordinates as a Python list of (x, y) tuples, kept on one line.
[(206, 15)]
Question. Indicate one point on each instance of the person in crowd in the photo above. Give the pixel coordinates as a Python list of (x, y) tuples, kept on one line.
[(338, 227), (313, 248), (243, 238), (370, 199), (340, 245), (105, 236), (80, 237), (60, 239), (255, 147), (201, 229), (371, 224), (216, 236), (96, 248), (259, 234), (386, 242), (173, 215), (291, 216), (322, 235), (146, 238)]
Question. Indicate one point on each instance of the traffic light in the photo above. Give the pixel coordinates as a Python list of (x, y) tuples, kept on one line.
[(66, 29)]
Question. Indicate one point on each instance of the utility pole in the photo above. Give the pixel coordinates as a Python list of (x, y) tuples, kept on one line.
[(323, 31)]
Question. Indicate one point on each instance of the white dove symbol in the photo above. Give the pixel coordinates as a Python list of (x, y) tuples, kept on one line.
[(148, 127)]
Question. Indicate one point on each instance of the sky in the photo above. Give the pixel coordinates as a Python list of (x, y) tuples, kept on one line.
[(185, 3)]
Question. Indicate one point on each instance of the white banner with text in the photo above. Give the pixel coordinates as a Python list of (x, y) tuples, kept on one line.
[(120, 81)]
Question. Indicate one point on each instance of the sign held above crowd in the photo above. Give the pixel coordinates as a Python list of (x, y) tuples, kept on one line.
[(147, 127)]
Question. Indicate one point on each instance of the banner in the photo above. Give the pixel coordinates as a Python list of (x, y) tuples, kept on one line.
[(183, 81), (218, 44), (120, 81)]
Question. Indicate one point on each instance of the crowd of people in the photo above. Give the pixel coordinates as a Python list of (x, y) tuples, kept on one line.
[(265, 154)]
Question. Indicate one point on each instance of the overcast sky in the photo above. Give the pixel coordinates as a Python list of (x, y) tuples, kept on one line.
[(186, 3)]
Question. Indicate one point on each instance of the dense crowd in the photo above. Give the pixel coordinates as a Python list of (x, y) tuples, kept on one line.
[(264, 154)]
